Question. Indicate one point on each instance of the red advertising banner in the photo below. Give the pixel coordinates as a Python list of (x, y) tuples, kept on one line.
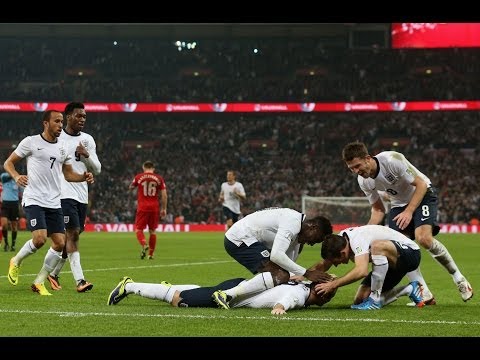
[(444, 228), (435, 35), (250, 107)]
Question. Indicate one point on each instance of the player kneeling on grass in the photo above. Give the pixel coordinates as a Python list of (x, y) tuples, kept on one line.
[(281, 298), (392, 254)]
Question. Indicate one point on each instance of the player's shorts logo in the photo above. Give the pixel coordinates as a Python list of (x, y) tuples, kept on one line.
[(33, 222), (265, 253), (66, 219)]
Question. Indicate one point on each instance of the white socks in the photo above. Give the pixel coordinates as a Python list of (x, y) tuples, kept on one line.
[(258, 283)]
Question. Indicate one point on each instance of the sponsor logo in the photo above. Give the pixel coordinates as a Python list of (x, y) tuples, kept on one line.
[(129, 107), (40, 106), (265, 253), (219, 107), (423, 219), (307, 107), (399, 105), (39, 148)]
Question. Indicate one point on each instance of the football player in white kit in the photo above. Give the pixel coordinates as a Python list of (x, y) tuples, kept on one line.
[(280, 299), (268, 242), (82, 148), (231, 195), (48, 163), (392, 254), (414, 205)]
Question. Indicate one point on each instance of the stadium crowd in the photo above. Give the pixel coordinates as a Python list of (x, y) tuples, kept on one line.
[(278, 157)]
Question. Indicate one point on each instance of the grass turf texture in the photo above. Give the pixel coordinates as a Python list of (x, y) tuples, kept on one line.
[(199, 258)]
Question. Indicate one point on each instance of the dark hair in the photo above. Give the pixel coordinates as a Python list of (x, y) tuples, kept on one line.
[(323, 224), (354, 150), (148, 164), (332, 246), (72, 106), (47, 114)]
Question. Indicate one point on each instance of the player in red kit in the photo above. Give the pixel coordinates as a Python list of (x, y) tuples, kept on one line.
[(149, 212)]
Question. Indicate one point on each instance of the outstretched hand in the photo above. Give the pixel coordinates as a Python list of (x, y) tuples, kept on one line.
[(317, 276)]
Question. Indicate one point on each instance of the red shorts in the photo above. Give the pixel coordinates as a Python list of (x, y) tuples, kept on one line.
[(147, 218)]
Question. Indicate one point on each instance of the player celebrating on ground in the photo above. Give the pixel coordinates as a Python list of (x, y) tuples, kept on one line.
[(268, 242), (280, 298)]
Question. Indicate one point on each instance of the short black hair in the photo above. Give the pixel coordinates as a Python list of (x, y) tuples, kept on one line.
[(72, 106), (48, 114), (323, 223)]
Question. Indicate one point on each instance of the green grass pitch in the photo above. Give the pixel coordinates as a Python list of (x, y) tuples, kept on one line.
[(199, 258)]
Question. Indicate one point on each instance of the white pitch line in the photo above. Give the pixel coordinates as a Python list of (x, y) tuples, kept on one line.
[(187, 316), (143, 267)]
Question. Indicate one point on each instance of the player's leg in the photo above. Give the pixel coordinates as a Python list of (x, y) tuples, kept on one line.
[(14, 216), (152, 221), (228, 216), (140, 225), (408, 259), (426, 228), (4, 224), (416, 274), (164, 291), (55, 229), (255, 258), (204, 296), (68, 216)]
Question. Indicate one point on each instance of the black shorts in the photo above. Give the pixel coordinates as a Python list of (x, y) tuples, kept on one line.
[(424, 214), (44, 218), (202, 296), (229, 214), (407, 260), (74, 214), (252, 257), (11, 210)]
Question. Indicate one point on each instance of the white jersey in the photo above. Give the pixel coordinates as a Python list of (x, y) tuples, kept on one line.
[(395, 175), (291, 296), (230, 200), (277, 229), (79, 190), (361, 237), (44, 169)]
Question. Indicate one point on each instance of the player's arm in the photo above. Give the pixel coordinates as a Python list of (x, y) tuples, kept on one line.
[(9, 166), (404, 218), (417, 197), (279, 256), (163, 203), (240, 195), (72, 176), (90, 159), (359, 271), (377, 212), (321, 266)]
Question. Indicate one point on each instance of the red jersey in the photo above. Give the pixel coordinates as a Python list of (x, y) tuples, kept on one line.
[(148, 186)]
